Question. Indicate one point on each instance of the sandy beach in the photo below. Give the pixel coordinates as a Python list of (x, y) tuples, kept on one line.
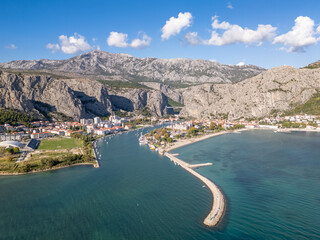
[(185, 142)]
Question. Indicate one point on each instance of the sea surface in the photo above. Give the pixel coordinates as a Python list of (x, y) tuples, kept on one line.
[(271, 182)]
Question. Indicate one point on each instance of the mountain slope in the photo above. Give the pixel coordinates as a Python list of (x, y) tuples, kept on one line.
[(46, 95), (279, 88), (314, 65), (111, 66)]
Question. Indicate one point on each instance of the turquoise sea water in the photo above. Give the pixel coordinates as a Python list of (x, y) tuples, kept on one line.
[(271, 182)]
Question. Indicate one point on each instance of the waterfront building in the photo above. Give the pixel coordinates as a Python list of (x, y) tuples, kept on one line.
[(40, 135), (97, 120)]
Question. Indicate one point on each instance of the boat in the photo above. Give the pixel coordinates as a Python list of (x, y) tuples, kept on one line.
[(142, 140), (152, 147)]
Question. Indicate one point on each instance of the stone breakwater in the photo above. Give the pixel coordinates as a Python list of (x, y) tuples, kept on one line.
[(218, 205)]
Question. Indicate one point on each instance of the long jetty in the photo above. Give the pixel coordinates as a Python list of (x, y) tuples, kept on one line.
[(218, 205)]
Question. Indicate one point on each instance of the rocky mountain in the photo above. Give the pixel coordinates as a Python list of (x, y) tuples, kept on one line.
[(166, 90), (46, 95), (109, 66), (279, 88), (69, 87), (314, 65)]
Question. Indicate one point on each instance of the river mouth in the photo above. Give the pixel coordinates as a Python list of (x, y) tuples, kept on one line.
[(270, 181)]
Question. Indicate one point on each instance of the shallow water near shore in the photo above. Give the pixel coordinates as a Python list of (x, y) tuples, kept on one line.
[(271, 182)]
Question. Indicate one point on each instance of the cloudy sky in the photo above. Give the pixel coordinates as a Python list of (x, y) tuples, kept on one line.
[(267, 33)]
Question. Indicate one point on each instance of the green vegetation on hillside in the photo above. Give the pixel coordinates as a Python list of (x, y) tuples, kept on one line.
[(313, 65), (312, 106), (173, 103), (22, 72), (14, 117), (122, 84), (177, 84)]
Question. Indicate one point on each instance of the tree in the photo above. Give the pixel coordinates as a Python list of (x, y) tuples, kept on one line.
[(27, 168), (212, 126), (16, 150), (10, 150), (192, 131)]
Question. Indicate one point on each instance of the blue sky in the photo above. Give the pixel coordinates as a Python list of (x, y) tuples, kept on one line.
[(223, 31)]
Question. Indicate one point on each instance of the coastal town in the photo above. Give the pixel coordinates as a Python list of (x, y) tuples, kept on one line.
[(20, 143)]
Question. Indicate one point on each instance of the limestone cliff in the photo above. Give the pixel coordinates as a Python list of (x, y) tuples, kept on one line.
[(76, 98), (276, 89)]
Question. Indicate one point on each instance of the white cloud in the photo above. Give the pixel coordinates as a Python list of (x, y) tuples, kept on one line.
[(116, 39), (229, 5), (11, 46), (236, 34), (301, 36), (53, 47), (233, 34), (74, 44), (174, 25), (240, 64), (216, 25), (192, 38), (70, 45), (141, 43)]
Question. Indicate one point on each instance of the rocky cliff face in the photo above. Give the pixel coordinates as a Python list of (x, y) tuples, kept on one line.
[(122, 66), (166, 90), (154, 101), (276, 89), (76, 98), (44, 94)]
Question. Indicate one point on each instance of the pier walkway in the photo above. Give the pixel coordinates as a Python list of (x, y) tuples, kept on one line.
[(218, 205)]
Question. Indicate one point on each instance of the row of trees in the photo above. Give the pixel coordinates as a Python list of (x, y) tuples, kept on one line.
[(161, 134), (288, 124), (50, 162), (86, 145)]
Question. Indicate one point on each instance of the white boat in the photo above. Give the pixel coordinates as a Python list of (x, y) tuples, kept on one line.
[(142, 140)]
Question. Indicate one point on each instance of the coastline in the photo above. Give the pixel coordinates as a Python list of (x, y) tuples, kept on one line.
[(297, 130), (185, 142), (45, 170), (97, 164), (218, 200)]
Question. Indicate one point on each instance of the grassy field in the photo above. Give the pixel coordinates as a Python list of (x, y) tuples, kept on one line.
[(59, 143), (52, 153), (7, 160)]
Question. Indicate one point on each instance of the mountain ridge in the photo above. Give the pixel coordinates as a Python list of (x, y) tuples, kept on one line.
[(110, 66)]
